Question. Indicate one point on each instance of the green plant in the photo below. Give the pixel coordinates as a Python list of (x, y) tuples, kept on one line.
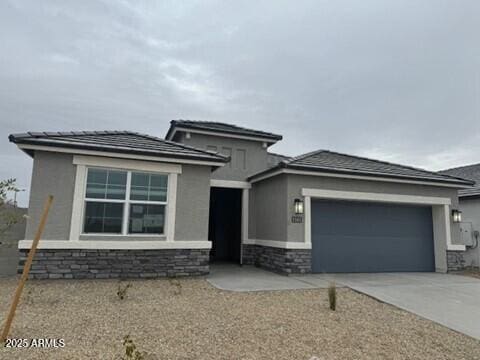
[(122, 290), (131, 352), (332, 296)]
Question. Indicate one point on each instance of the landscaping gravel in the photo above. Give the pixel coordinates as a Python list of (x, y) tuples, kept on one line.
[(190, 319)]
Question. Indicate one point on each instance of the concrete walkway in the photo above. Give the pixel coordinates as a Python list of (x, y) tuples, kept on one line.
[(450, 300)]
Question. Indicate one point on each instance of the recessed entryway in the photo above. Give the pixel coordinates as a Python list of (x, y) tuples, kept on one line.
[(225, 224)]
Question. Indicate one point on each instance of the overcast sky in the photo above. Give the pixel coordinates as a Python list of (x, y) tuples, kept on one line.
[(393, 80)]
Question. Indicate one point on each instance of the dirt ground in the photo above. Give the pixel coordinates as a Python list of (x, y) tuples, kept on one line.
[(190, 319), (474, 272)]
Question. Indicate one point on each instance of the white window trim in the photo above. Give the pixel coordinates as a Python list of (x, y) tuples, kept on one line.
[(79, 200)]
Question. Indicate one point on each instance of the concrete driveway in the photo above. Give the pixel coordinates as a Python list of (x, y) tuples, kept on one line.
[(450, 300)]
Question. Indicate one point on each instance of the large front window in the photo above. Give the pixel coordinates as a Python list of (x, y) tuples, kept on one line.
[(125, 202)]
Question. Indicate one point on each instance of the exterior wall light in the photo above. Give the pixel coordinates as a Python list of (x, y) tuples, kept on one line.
[(298, 206), (456, 216)]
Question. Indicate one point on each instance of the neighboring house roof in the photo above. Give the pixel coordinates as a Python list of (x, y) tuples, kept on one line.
[(333, 162), (470, 172), (220, 128), (117, 142)]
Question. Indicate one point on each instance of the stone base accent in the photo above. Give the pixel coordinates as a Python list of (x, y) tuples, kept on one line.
[(103, 264), (455, 260), (282, 261)]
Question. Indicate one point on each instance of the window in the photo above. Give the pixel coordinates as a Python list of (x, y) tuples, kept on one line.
[(125, 202)]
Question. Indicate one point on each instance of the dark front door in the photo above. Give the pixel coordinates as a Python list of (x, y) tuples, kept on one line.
[(225, 224), (352, 236)]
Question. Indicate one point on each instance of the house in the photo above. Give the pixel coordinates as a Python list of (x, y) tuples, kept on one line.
[(134, 205), (469, 201)]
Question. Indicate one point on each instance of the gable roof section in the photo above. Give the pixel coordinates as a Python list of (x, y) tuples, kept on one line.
[(220, 128), (333, 162), (123, 142), (470, 172)]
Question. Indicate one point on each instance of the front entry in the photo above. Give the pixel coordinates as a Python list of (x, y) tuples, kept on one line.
[(225, 224)]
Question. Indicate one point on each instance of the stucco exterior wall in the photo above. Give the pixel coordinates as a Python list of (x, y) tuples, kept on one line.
[(193, 203), (256, 157), (295, 231), (471, 213), (270, 209), (53, 174)]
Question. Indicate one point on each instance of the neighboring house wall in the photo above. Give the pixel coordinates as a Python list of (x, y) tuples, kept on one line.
[(470, 208), (247, 157), (53, 174)]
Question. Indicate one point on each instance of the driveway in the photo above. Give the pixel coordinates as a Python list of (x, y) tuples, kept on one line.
[(450, 300)]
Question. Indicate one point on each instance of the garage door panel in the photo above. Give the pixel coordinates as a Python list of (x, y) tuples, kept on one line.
[(371, 237)]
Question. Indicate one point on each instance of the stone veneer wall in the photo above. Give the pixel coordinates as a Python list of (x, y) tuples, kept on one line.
[(455, 260), (283, 261), (103, 264)]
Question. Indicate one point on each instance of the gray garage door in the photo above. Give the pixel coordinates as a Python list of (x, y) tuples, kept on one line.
[(371, 237)]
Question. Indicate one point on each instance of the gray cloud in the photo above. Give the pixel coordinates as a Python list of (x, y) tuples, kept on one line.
[(395, 80)]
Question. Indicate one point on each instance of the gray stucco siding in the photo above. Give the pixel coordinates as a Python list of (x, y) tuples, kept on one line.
[(270, 208), (53, 174), (256, 157), (193, 203), (295, 184)]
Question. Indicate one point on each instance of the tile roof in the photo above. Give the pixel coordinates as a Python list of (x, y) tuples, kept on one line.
[(118, 142), (220, 128), (470, 172), (329, 161)]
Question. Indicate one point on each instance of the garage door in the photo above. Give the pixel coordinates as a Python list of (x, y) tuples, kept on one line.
[(371, 237)]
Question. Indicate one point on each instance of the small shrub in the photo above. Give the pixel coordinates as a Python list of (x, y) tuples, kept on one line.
[(131, 352), (122, 290), (177, 290), (332, 296)]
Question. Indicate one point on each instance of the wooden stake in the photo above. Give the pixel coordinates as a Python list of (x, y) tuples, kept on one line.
[(26, 269)]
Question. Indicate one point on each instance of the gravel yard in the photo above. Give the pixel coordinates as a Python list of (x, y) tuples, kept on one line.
[(470, 272), (190, 319)]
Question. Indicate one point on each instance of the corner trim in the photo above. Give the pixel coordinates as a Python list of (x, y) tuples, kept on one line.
[(278, 244), (230, 184), (379, 197), (116, 245), (127, 164)]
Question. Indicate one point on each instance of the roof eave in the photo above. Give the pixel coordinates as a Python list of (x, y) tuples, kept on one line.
[(270, 139), (282, 165), (220, 160)]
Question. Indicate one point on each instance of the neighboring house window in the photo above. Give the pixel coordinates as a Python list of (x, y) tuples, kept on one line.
[(125, 202)]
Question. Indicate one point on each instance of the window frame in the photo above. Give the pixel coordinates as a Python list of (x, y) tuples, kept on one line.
[(126, 204)]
